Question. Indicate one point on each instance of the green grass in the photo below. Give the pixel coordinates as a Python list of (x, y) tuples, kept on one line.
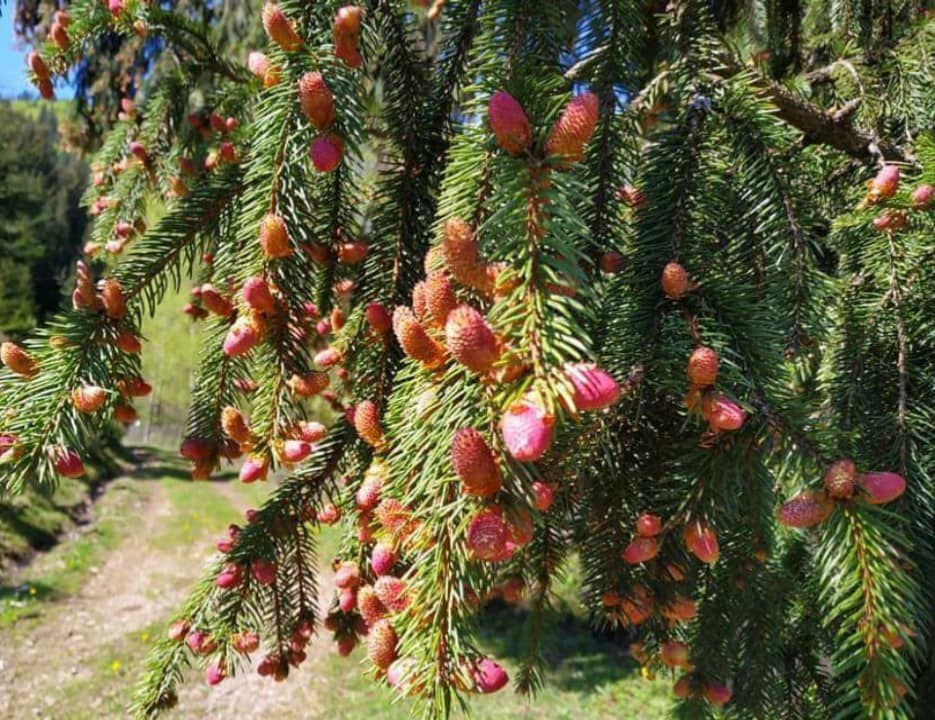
[(32, 108), (32, 521), (62, 571)]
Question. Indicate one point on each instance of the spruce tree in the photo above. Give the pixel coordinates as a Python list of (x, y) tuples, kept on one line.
[(647, 284)]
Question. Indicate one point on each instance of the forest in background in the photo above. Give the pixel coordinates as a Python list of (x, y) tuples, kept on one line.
[(41, 222)]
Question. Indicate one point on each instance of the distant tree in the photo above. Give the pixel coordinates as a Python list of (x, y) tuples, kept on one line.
[(41, 221), (113, 65)]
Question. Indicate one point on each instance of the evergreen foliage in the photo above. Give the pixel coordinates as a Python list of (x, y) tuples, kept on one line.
[(41, 221), (693, 241)]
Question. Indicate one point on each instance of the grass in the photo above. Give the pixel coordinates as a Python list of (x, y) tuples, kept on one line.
[(586, 676), (62, 571)]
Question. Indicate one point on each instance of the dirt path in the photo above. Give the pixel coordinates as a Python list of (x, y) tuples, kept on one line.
[(81, 656), (119, 595)]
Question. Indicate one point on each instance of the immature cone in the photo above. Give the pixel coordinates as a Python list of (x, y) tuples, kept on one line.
[(724, 414), (128, 342), (112, 298), (682, 688), (196, 449), (674, 653), (38, 66), (83, 297), (378, 318), (886, 182), (18, 360), (392, 593), (347, 20), (308, 385), (675, 281), (368, 494), (124, 413), (488, 676), (88, 398), (59, 36), (347, 575), (701, 541), (881, 487), (805, 510), (543, 496), (370, 606), (263, 571), (134, 387), (214, 674), (648, 525), (367, 423), (840, 478), (439, 298), (326, 153), (245, 642), (470, 339), (381, 644), (382, 559), (295, 451), (474, 463), (922, 197), (260, 65), (702, 366), (414, 340), (640, 550), (45, 87), (329, 357), (257, 295), (594, 388), (68, 463), (527, 430), (509, 123), (351, 253), (488, 536), (279, 28), (230, 577), (574, 128), (215, 302), (347, 52), (242, 336), (717, 694), (255, 468), (316, 100), (274, 237), (462, 255)]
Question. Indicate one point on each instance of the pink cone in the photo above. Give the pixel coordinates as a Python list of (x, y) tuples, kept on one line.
[(68, 464), (326, 153), (241, 338), (382, 559), (640, 550), (527, 430), (214, 675), (594, 389), (294, 451), (254, 469), (230, 577), (886, 182), (726, 415), (263, 571), (882, 487), (257, 295), (489, 676)]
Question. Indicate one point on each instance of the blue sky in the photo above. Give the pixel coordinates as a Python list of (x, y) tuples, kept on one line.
[(13, 80)]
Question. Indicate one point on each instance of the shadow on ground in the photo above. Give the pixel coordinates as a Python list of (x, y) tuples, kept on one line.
[(577, 657)]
